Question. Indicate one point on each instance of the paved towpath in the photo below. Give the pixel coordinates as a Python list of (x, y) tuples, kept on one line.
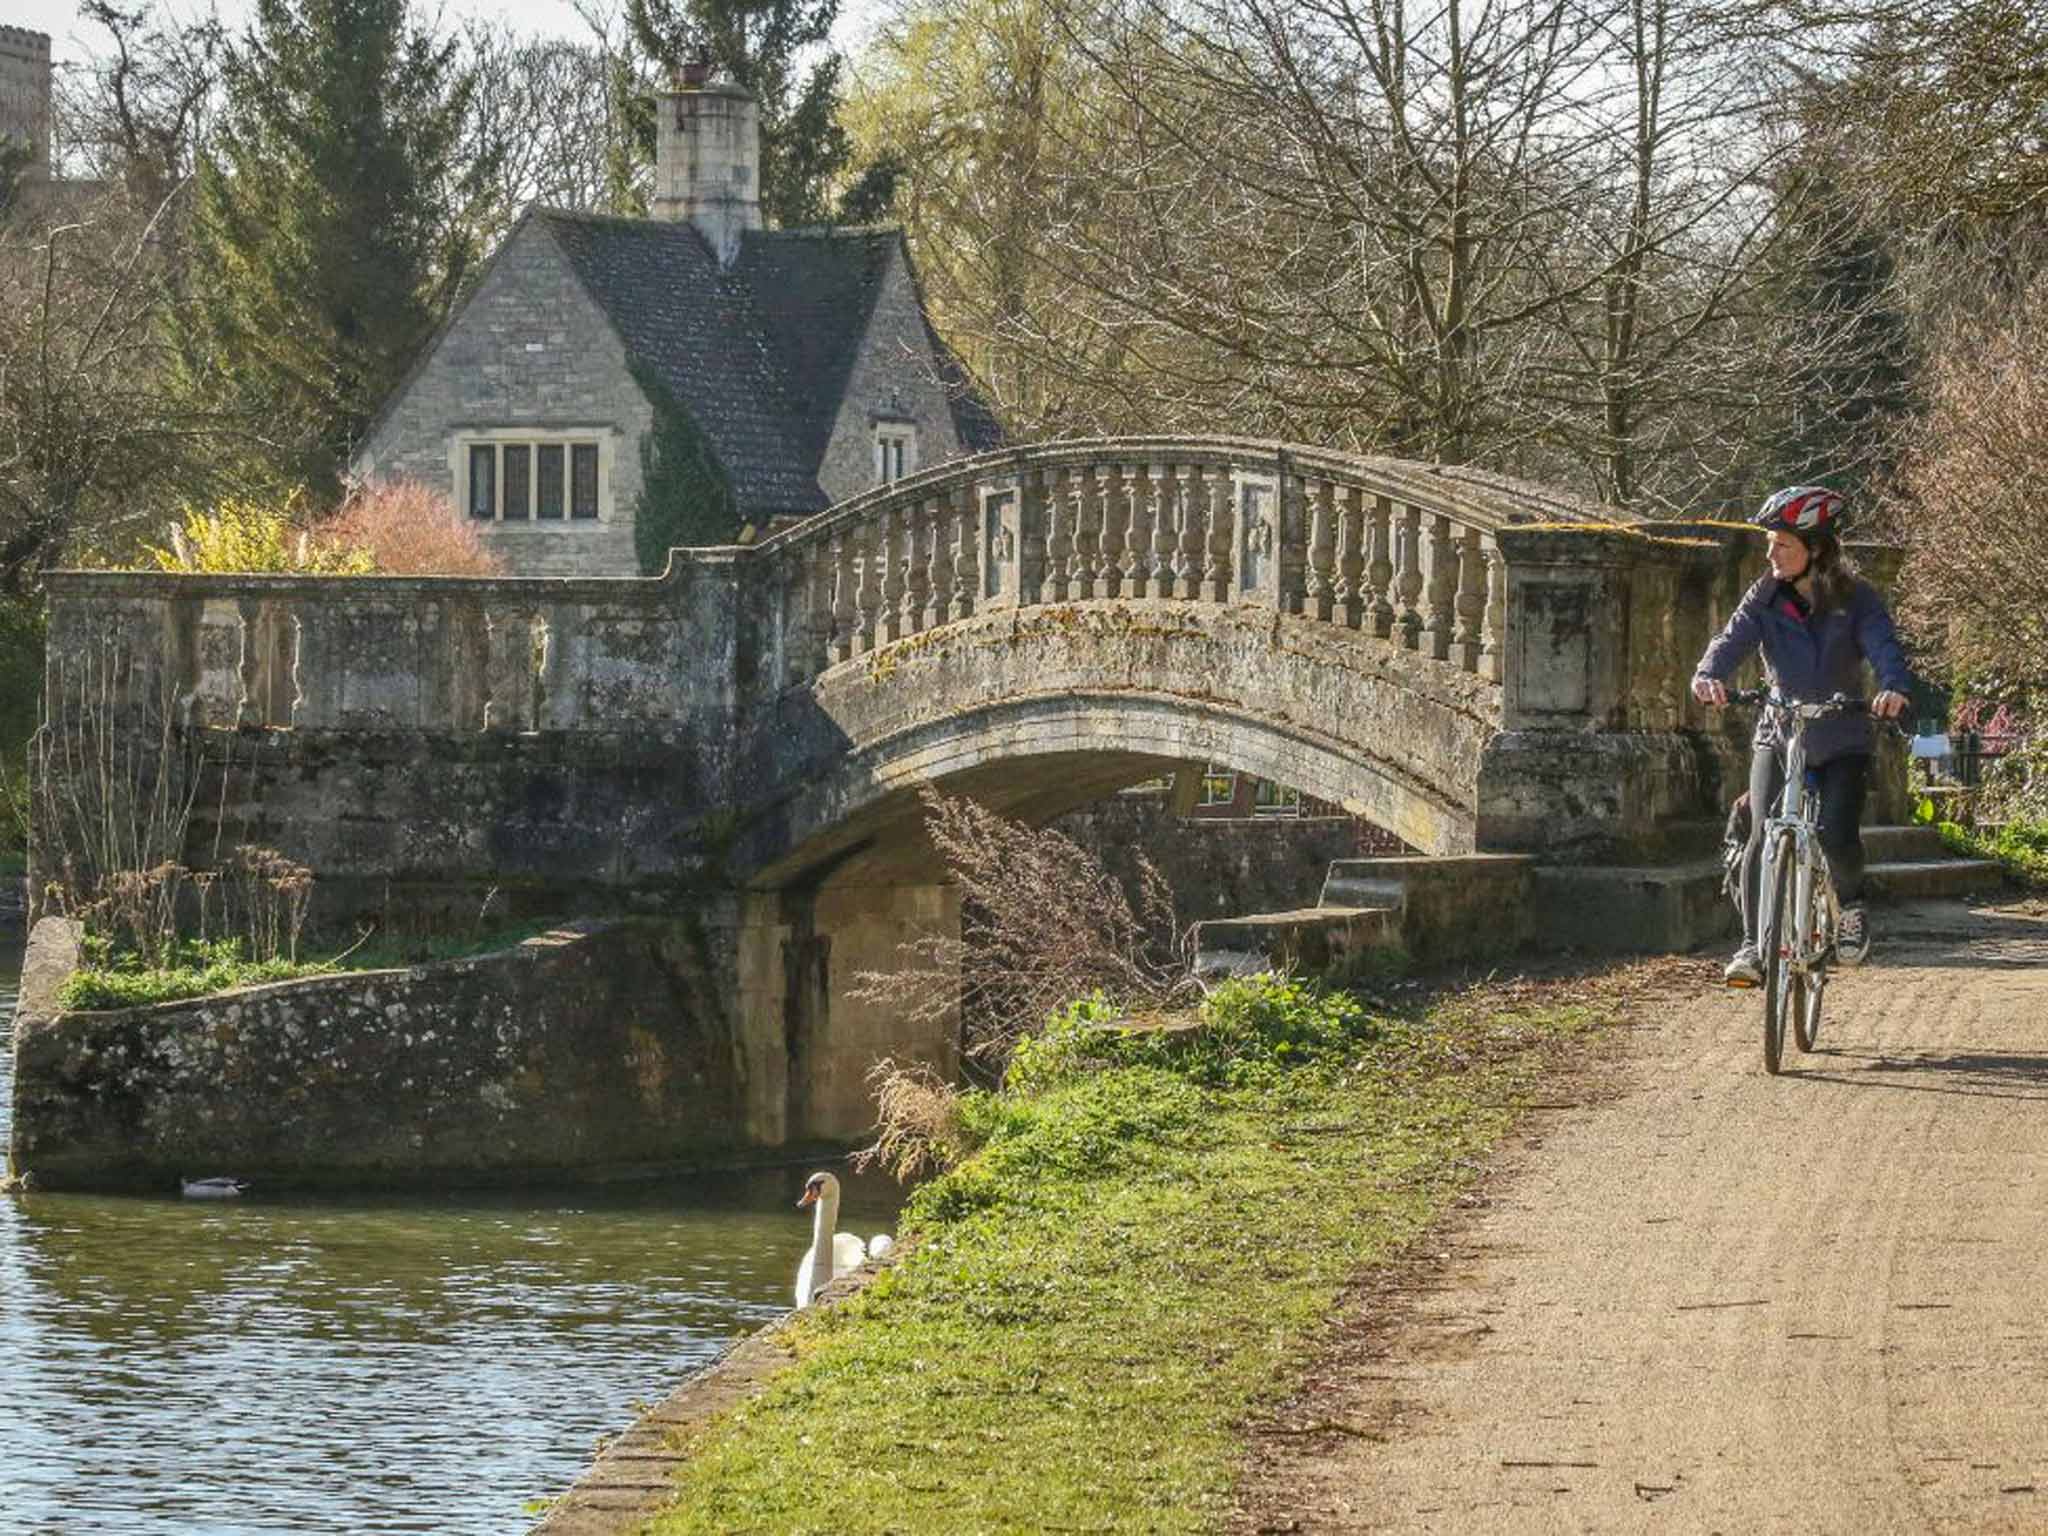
[(1697, 1298)]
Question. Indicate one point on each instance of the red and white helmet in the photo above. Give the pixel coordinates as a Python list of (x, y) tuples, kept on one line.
[(1804, 510)]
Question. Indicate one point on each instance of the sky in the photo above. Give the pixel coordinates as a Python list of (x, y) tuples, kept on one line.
[(71, 40)]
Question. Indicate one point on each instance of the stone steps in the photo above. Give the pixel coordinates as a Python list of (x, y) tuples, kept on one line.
[(1311, 939), (1932, 879), (1446, 908), (1903, 845)]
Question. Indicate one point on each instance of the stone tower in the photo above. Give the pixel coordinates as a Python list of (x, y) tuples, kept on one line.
[(707, 158), (25, 93)]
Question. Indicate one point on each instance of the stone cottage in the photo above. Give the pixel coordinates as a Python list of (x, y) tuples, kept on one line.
[(801, 362)]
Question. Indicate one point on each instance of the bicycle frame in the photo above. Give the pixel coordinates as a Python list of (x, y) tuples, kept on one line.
[(1796, 945), (1797, 823)]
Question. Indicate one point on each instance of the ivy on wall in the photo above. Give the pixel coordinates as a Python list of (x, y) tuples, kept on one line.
[(685, 497)]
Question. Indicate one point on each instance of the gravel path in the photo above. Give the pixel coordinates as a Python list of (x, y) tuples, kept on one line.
[(1710, 1300)]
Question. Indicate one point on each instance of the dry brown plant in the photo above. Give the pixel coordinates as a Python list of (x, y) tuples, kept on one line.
[(1972, 483), (1041, 924), (267, 894), (113, 776), (411, 530), (918, 1126)]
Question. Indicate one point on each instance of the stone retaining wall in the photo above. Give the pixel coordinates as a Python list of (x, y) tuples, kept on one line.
[(595, 1049)]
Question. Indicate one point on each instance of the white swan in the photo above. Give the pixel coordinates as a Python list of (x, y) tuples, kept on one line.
[(212, 1189), (832, 1252)]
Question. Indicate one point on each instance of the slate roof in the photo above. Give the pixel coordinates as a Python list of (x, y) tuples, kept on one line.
[(780, 330)]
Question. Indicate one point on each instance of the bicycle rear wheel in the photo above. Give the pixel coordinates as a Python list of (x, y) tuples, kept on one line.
[(1784, 988)]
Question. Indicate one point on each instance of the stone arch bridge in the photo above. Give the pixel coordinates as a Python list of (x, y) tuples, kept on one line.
[(1471, 662)]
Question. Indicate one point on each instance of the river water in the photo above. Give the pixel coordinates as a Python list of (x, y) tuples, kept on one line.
[(373, 1365)]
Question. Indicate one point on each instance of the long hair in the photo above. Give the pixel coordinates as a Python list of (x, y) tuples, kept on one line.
[(1834, 573)]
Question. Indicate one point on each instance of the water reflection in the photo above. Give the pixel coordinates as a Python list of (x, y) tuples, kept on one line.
[(378, 1365)]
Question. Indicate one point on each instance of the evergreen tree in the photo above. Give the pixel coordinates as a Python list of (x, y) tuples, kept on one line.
[(759, 43), (335, 226)]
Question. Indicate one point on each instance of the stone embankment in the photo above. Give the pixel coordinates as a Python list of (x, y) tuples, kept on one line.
[(592, 1050)]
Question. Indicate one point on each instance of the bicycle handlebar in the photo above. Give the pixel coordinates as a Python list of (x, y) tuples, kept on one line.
[(1840, 704)]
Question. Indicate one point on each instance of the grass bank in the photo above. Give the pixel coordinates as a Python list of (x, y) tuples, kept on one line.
[(1138, 1257), (200, 968)]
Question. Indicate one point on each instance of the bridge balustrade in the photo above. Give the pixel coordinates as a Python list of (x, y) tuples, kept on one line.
[(1404, 553)]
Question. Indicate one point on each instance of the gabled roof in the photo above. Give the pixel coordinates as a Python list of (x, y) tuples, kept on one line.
[(676, 311), (815, 290), (782, 328)]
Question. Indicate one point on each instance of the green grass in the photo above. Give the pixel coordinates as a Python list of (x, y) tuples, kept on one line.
[(204, 968), (2021, 847), (1139, 1256)]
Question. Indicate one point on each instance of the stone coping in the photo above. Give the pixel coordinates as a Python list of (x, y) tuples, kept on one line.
[(632, 1477)]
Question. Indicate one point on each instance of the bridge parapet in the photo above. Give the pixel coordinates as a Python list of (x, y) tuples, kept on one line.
[(1401, 552)]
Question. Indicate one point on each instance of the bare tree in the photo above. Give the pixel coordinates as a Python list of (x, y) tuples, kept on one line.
[(135, 117), (96, 443), (1970, 490), (552, 110)]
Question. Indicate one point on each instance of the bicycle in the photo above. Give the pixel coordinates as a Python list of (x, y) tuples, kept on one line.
[(1797, 911)]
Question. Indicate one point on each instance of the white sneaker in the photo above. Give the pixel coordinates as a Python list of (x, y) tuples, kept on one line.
[(1745, 969), (1852, 937)]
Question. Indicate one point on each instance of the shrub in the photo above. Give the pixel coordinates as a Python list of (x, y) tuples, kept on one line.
[(241, 535), (409, 529)]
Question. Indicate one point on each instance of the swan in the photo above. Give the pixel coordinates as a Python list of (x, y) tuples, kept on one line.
[(832, 1252), (212, 1189)]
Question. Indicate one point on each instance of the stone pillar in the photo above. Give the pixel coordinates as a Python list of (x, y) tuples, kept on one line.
[(1577, 771)]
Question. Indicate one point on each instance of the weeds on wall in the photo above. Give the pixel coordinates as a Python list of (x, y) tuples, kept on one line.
[(112, 778), (114, 775)]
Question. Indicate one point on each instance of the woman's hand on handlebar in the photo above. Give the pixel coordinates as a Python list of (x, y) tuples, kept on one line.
[(1888, 705), (1711, 691)]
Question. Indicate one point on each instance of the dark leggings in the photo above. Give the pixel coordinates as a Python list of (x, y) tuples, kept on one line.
[(1842, 784)]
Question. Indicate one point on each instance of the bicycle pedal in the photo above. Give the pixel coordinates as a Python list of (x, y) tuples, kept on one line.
[(1740, 984)]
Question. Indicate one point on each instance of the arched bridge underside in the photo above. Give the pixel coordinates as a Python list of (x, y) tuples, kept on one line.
[(1036, 711)]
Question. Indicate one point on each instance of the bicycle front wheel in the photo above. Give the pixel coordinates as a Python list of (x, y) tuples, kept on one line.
[(1784, 989), (1813, 936)]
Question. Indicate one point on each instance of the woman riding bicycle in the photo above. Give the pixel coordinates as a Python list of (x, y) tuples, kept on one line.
[(1817, 623)]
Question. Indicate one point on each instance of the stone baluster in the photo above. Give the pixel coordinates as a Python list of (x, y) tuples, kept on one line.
[(1471, 600), (1162, 517), (1494, 625), (867, 591), (1059, 534), (1291, 496), (1408, 584), (1219, 493), (895, 570), (1320, 591), (1441, 628), (1087, 541), (1035, 496), (1350, 557), (1379, 573), (1111, 488), (916, 578), (845, 580), (1137, 557), (967, 551), (935, 525), (824, 575)]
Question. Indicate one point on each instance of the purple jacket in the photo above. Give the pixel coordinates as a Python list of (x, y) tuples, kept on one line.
[(1808, 660)]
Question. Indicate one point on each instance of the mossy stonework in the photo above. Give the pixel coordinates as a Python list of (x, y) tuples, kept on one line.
[(589, 1050)]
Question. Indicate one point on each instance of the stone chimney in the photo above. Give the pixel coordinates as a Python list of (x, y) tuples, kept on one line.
[(707, 158), (25, 92)]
